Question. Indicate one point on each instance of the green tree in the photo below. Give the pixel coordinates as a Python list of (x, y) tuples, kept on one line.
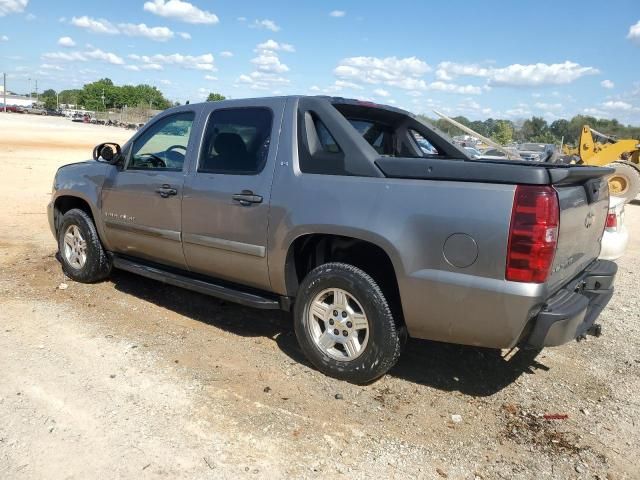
[(536, 129), (215, 97), (560, 129), (50, 103), (502, 132)]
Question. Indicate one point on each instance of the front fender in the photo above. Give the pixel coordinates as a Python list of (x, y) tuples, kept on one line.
[(84, 181)]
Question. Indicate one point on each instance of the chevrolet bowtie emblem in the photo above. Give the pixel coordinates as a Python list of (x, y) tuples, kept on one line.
[(588, 221)]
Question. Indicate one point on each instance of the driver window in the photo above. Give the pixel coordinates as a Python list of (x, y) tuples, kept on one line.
[(164, 145)]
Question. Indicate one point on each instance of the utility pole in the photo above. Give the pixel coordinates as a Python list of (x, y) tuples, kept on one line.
[(29, 88), (4, 91), (36, 91)]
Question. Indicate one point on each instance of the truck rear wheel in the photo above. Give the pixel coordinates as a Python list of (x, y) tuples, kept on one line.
[(625, 181), (344, 324), (81, 254)]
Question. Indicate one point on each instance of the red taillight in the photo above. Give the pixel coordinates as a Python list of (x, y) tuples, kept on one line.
[(533, 234), (612, 221)]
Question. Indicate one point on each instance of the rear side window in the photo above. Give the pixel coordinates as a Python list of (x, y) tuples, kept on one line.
[(318, 149), (379, 136), (236, 141), (327, 142)]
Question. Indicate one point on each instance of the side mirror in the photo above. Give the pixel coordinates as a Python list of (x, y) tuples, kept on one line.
[(109, 152)]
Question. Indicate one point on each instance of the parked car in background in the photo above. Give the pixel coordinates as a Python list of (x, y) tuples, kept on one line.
[(473, 152), (536, 152), (616, 235), (495, 154), (35, 110), (15, 109)]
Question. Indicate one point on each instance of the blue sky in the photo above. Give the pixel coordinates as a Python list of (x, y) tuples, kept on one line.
[(492, 58)]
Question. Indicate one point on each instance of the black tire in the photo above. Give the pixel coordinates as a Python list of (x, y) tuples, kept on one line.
[(97, 265), (383, 347)]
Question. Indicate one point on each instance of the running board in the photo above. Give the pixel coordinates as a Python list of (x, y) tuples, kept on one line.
[(200, 286)]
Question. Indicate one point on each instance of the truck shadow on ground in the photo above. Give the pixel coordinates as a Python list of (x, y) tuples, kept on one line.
[(470, 370)]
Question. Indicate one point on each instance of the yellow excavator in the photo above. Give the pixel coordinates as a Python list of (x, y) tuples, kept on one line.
[(621, 154)]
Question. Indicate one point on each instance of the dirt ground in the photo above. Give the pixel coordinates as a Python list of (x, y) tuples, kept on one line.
[(130, 378)]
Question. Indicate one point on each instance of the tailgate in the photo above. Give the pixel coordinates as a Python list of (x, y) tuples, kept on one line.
[(583, 213)]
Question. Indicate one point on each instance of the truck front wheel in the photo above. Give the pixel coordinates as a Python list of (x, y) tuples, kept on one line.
[(344, 324), (81, 254)]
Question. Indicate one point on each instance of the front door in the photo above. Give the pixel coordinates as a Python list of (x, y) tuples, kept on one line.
[(142, 202), (226, 198)]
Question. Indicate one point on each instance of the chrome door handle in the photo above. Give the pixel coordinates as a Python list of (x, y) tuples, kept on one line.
[(246, 198), (166, 191)]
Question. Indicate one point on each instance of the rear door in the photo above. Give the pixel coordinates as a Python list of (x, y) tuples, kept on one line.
[(142, 202), (226, 198), (583, 213)]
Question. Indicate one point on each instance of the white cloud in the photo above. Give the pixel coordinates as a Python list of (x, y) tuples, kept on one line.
[(607, 84), (455, 88), (552, 107), (518, 75), (337, 13), (617, 105), (106, 57), (518, 112), (12, 6), (4, 38), (540, 74), (165, 82), (262, 81), (179, 10), (242, 19), (267, 24), (133, 68), (198, 62), (185, 35), (94, 54), (94, 25), (226, 54), (158, 34), (346, 84), (210, 77), (381, 92), (399, 72), (48, 66), (152, 66), (273, 45), (268, 61), (66, 42), (633, 35)]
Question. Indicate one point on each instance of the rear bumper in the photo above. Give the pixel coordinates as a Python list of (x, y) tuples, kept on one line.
[(573, 310)]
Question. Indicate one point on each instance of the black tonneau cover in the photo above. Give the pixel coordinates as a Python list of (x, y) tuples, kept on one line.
[(489, 171)]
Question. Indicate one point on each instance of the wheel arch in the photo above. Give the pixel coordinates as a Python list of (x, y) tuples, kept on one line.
[(68, 201), (309, 250)]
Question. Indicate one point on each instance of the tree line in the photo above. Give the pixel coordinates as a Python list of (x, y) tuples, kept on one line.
[(537, 129), (104, 95)]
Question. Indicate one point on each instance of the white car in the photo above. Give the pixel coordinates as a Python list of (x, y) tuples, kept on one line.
[(616, 236)]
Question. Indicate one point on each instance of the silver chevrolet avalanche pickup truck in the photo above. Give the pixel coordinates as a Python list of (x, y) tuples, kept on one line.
[(334, 209)]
